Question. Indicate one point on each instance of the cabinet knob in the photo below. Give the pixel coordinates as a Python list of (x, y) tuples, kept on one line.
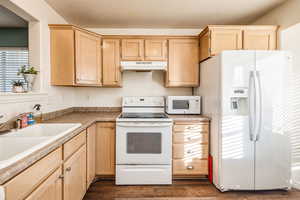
[(189, 167), (61, 176), (68, 169), (189, 151), (189, 138)]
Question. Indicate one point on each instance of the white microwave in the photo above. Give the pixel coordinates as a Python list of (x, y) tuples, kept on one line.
[(183, 104)]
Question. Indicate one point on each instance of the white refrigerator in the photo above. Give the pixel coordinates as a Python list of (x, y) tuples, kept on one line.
[(246, 93)]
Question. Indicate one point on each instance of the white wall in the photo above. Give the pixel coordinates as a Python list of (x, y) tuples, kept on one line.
[(39, 14), (285, 15)]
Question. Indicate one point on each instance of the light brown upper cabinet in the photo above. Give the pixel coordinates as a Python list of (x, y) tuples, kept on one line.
[(149, 49), (111, 62), (132, 49), (183, 68), (155, 49), (255, 38), (75, 56), (88, 58), (214, 39)]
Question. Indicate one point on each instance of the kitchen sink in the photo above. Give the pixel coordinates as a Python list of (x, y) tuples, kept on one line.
[(18, 144), (43, 130)]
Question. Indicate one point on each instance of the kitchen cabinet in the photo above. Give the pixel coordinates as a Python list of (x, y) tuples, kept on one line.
[(156, 49), (75, 175), (259, 39), (105, 149), (111, 62), (183, 67), (19, 187), (50, 189), (88, 58), (132, 49), (148, 49), (214, 39), (190, 149), (91, 154), (75, 56)]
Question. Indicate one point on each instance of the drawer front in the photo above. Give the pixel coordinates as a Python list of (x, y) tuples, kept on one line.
[(184, 137), (24, 183), (190, 151), (191, 128), (194, 167), (74, 144)]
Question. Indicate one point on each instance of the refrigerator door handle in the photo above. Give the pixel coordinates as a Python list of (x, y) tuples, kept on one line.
[(251, 105), (258, 113)]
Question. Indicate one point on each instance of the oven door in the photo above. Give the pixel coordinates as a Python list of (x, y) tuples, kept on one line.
[(144, 143)]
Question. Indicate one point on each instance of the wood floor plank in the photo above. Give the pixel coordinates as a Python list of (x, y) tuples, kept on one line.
[(180, 190)]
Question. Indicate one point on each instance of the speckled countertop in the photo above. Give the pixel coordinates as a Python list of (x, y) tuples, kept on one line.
[(86, 119)]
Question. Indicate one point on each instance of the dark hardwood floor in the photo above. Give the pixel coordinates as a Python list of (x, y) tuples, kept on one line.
[(180, 190)]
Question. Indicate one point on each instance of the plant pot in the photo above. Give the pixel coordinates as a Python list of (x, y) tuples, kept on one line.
[(29, 79), (18, 89)]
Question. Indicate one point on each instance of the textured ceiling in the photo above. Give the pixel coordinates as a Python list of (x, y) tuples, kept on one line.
[(161, 13)]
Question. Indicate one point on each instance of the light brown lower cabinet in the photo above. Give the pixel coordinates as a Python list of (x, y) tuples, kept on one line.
[(50, 189), (91, 154), (105, 149), (75, 175), (190, 149)]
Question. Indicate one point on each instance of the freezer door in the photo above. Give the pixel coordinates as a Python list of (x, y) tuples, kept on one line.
[(237, 150), (272, 146)]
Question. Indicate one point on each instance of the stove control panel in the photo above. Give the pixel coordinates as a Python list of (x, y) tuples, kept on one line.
[(143, 101)]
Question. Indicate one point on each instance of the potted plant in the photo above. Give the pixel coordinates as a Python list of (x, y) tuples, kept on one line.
[(17, 86), (29, 75)]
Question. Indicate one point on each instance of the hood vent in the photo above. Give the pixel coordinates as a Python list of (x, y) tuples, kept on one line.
[(143, 66)]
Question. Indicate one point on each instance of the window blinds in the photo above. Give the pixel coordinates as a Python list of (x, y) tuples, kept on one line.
[(11, 59)]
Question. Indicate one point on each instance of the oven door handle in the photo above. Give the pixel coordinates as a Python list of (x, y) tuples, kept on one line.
[(144, 124)]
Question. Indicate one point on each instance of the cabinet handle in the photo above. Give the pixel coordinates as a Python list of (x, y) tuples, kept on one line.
[(189, 167), (61, 176), (68, 169), (189, 138), (189, 151)]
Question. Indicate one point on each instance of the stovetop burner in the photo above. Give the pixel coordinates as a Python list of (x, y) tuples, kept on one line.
[(143, 115)]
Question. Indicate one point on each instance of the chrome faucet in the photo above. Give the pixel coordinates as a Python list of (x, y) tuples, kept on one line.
[(10, 124)]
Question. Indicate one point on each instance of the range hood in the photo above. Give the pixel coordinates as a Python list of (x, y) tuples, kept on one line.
[(143, 65)]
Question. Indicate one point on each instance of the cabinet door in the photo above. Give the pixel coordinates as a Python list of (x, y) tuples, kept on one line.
[(133, 49), (105, 149), (259, 39), (155, 50), (88, 59), (204, 49), (91, 154), (75, 175), (183, 69), (111, 62), (50, 189), (225, 39)]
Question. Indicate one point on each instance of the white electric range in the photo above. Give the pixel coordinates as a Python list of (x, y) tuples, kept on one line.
[(143, 142)]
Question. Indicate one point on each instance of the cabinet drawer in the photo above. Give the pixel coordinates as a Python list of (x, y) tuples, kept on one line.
[(191, 128), (194, 167), (74, 144), (183, 137), (190, 150), (24, 183)]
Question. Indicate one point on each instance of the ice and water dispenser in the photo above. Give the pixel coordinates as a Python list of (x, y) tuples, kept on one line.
[(239, 101)]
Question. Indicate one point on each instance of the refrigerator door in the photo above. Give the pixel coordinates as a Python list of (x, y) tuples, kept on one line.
[(272, 146), (237, 149)]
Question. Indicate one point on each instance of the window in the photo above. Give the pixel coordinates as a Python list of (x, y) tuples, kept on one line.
[(11, 59)]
